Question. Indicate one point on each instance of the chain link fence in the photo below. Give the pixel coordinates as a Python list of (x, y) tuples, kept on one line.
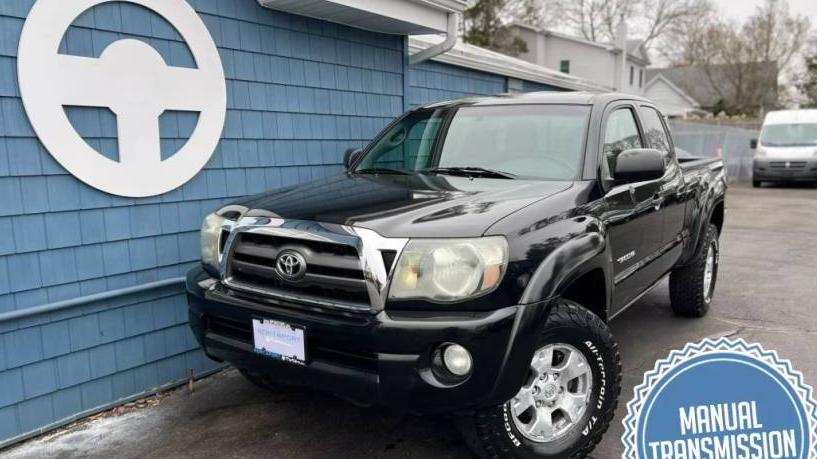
[(728, 142)]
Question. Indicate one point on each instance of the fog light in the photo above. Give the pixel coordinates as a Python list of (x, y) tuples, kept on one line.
[(457, 360)]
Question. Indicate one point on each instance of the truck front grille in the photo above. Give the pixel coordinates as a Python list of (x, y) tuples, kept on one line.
[(790, 165), (334, 275)]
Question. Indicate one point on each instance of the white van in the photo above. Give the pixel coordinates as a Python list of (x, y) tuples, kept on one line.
[(787, 150)]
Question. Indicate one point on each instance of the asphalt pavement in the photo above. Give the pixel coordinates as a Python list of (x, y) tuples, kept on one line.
[(767, 293)]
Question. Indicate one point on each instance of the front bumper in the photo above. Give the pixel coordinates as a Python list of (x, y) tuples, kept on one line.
[(776, 169), (381, 358)]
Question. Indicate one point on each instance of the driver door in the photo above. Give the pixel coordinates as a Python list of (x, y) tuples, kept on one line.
[(634, 221)]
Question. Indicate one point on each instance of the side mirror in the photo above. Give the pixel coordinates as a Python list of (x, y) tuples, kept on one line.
[(350, 157), (753, 144), (639, 165)]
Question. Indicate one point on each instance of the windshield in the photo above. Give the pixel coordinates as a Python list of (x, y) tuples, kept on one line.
[(525, 141), (789, 135)]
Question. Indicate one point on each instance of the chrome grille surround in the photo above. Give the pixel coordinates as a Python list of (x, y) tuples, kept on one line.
[(366, 242)]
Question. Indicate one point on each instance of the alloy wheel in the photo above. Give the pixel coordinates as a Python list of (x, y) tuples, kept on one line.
[(556, 395)]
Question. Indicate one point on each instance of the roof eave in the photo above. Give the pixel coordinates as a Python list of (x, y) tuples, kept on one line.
[(398, 17), (500, 64)]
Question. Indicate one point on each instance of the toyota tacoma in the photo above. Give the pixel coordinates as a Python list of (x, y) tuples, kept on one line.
[(468, 261)]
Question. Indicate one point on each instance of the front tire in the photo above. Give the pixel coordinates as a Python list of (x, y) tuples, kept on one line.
[(756, 183), (691, 287), (568, 399)]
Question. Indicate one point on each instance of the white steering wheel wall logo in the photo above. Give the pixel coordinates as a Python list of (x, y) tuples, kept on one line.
[(132, 79)]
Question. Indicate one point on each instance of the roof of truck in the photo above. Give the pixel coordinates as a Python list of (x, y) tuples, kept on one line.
[(543, 97), (791, 117)]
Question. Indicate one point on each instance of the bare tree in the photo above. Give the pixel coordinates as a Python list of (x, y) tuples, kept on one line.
[(531, 12), (774, 34), (597, 20), (741, 62), (741, 82), (593, 20), (661, 18), (771, 34), (686, 39)]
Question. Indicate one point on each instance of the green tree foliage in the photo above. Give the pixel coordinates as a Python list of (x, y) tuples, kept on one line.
[(484, 26)]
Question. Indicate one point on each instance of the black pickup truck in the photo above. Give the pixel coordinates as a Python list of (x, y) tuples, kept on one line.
[(468, 262)]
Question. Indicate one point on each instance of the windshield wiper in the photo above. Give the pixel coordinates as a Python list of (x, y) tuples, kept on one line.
[(471, 172), (384, 170)]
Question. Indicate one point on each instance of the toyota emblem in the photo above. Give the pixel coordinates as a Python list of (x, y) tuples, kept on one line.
[(290, 265)]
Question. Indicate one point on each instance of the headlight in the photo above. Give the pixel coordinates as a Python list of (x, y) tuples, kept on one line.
[(449, 269), (211, 240), (760, 152)]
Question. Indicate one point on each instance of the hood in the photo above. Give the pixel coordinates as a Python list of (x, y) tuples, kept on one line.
[(794, 152), (405, 206)]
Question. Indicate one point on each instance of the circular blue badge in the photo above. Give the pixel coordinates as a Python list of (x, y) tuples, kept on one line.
[(721, 399)]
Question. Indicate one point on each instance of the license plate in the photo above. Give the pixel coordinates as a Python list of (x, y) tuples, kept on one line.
[(279, 340)]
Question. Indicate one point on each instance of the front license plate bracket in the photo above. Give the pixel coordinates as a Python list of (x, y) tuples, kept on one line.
[(280, 340)]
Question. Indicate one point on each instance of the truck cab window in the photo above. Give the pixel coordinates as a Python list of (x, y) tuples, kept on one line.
[(654, 130), (526, 141), (620, 133), (409, 143)]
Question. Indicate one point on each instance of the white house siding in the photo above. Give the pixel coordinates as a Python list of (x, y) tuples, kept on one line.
[(670, 102), (591, 61), (535, 42), (634, 88)]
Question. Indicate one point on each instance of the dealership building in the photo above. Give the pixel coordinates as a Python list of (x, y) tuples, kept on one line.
[(123, 123)]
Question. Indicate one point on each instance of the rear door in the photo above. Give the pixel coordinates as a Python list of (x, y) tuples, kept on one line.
[(635, 225), (671, 198)]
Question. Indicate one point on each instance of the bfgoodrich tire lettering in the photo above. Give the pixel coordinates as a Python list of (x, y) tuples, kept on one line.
[(492, 433)]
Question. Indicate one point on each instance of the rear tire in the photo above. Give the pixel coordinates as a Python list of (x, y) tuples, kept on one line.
[(508, 431), (692, 287), (756, 183)]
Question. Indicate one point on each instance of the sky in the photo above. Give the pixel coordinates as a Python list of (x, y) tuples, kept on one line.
[(740, 9)]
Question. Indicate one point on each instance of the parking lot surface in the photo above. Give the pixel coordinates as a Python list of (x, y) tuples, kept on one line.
[(767, 293)]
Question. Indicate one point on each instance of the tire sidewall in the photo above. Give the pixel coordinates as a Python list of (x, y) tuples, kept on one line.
[(602, 358), (711, 241)]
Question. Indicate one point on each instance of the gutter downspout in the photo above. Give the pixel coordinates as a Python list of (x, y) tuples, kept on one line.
[(442, 47)]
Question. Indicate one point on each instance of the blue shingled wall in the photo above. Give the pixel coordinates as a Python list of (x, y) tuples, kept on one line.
[(531, 86), (433, 81), (300, 91)]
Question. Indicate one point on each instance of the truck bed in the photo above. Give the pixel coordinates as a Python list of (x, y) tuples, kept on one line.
[(696, 162)]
